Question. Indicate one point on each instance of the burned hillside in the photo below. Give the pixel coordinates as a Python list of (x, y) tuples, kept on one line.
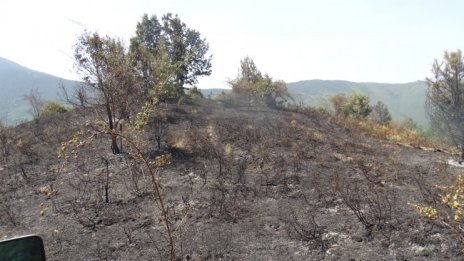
[(235, 182)]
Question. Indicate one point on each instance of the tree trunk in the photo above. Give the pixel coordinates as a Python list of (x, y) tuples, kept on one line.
[(114, 141), (120, 140), (107, 181), (114, 145), (158, 141)]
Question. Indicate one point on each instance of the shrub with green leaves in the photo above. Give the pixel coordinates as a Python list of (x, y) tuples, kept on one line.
[(52, 108), (447, 206), (357, 106)]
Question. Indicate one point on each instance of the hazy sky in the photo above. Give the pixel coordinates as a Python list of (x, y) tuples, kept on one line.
[(381, 41)]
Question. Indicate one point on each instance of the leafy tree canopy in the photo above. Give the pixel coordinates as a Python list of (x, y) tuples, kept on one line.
[(445, 97), (357, 106), (252, 85), (185, 50)]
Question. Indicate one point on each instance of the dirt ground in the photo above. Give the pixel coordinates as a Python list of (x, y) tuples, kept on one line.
[(244, 183)]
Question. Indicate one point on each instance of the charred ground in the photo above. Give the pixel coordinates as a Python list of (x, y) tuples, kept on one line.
[(241, 183)]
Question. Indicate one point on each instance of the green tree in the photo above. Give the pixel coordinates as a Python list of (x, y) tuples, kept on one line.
[(194, 92), (106, 67), (251, 85), (380, 113), (357, 106), (249, 72), (185, 50), (160, 83), (273, 93), (445, 97)]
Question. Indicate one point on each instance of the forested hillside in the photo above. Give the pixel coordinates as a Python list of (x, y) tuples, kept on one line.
[(16, 81)]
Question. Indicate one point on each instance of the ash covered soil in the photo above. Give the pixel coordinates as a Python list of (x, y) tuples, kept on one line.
[(241, 183)]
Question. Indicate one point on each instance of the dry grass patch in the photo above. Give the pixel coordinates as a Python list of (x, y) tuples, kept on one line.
[(391, 132)]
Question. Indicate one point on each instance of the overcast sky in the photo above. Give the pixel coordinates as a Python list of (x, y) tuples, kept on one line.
[(366, 40)]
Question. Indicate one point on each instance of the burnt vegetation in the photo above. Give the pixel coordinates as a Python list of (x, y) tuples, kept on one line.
[(244, 182)]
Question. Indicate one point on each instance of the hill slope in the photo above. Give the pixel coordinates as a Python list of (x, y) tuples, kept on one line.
[(244, 183), (403, 100), (16, 81)]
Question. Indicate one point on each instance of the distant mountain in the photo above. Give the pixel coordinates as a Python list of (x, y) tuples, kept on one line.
[(17, 80), (403, 100)]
